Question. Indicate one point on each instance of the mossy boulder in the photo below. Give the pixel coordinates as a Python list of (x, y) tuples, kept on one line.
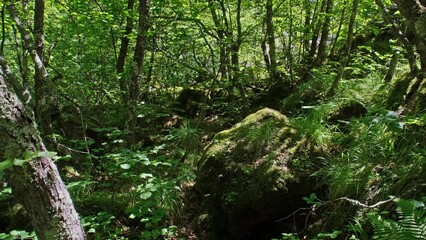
[(254, 174)]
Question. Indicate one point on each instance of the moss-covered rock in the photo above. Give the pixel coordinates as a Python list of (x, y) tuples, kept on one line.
[(252, 175)]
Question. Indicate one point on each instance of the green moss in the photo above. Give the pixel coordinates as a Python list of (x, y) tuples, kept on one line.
[(246, 168)]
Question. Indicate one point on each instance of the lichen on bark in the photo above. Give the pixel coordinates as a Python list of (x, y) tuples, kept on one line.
[(37, 184)]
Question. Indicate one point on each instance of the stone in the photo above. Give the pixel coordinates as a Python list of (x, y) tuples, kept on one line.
[(252, 175)]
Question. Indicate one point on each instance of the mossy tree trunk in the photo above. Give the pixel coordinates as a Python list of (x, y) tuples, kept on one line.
[(401, 36), (34, 44), (37, 184), (414, 12)]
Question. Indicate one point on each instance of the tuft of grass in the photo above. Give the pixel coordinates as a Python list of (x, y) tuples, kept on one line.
[(188, 138)]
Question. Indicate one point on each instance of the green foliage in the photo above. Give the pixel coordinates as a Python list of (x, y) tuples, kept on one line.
[(5, 193), (410, 222), (16, 234), (188, 137), (101, 226), (309, 93), (80, 189), (290, 236), (313, 124), (26, 157), (263, 135), (133, 193), (313, 200)]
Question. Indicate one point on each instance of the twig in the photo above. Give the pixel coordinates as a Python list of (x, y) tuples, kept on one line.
[(358, 203), (352, 201), (71, 149), (293, 213)]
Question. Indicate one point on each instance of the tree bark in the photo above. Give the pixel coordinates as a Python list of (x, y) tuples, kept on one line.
[(137, 67), (322, 53), (317, 23), (34, 44), (415, 13), (235, 58), (408, 46), (335, 40), (37, 184), (290, 41), (392, 67), (221, 39), (43, 89), (268, 44), (3, 29), (122, 55), (308, 11), (347, 52)]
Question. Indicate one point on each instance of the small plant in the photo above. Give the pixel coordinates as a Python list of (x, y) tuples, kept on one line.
[(410, 223), (287, 236), (188, 138), (313, 200), (101, 226), (292, 236), (15, 234), (264, 134)]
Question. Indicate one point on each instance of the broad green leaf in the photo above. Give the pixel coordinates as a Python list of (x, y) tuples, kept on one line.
[(140, 156), (5, 165), (146, 175), (145, 195), (125, 166), (6, 191)]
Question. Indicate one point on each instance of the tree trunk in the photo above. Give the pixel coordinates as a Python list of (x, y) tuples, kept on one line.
[(3, 29), (290, 41), (392, 67), (137, 68), (322, 53), (223, 54), (347, 52), (37, 184), (317, 23), (43, 89), (408, 46), (268, 44), (122, 55), (415, 13), (43, 86), (308, 10), (235, 59), (339, 29)]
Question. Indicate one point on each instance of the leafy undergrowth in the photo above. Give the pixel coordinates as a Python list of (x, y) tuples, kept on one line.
[(373, 156), (375, 153)]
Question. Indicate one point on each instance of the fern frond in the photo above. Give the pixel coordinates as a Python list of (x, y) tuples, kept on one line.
[(411, 223)]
